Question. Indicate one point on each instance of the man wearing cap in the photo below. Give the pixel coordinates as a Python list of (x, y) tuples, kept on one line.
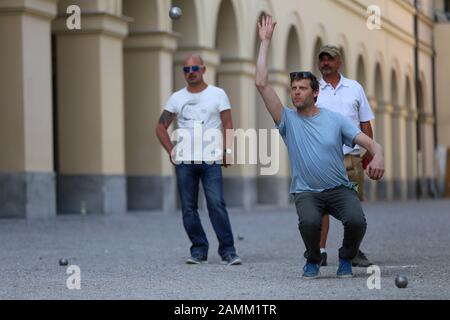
[(347, 97)]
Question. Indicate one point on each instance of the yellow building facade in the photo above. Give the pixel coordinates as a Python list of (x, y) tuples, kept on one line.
[(78, 106)]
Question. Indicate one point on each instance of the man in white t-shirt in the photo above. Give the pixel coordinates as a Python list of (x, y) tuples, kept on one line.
[(347, 97), (201, 111)]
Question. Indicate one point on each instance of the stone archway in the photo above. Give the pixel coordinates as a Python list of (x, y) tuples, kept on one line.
[(317, 46), (361, 72), (382, 133), (411, 140)]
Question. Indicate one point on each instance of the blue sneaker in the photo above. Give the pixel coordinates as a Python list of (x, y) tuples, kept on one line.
[(345, 269), (311, 271)]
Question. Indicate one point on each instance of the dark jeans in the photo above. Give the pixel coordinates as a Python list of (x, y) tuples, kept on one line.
[(188, 178), (343, 204)]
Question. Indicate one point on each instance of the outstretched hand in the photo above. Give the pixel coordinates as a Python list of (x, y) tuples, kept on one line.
[(266, 27)]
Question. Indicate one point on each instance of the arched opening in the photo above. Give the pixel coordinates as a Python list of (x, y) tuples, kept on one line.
[(293, 51), (398, 145), (188, 40), (379, 91), (411, 141), (187, 26), (379, 97), (378, 189), (228, 48), (420, 110), (144, 14), (394, 89), (408, 97), (361, 72), (293, 61), (226, 31), (422, 190), (343, 69), (315, 68)]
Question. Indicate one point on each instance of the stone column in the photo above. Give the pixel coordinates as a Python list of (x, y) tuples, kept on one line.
[(399, 156), (148, 84), (26, 128), (411, 141), (428, 155), (90, 113), (236, 77), (383, 135)]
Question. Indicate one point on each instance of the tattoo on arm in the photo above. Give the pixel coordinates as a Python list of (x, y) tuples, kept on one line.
[(166, 118)]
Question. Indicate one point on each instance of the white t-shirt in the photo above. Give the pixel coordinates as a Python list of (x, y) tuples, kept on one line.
[(196, 114), (348, 99)]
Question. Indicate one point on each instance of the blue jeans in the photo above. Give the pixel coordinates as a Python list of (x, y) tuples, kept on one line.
[(188, 178)]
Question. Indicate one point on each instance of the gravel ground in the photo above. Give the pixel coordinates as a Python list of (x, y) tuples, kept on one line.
[(141, 256)]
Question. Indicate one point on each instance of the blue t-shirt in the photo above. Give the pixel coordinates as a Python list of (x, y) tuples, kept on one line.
[(315, 148)]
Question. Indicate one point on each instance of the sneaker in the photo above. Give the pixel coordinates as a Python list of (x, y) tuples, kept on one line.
[(311, 271), (345, 269), (231, 260), (324, 263), (197, 260), (361, 260)]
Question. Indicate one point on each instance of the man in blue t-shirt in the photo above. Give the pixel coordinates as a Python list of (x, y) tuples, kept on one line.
[(314, 138)]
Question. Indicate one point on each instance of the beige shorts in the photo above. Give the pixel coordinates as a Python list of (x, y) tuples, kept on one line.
[(355, 172)]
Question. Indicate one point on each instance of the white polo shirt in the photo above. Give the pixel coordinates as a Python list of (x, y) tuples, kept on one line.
[(348, 99)]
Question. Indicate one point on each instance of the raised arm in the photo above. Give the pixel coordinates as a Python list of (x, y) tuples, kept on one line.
[(270, 97), (375, 169)]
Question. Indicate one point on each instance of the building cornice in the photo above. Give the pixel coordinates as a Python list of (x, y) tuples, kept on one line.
[(389, 26)]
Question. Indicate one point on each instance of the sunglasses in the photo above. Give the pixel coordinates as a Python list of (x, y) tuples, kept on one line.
[(193, 68), (301, 75)]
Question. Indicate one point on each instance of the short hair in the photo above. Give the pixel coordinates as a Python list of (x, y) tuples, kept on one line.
[(300, 75)]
